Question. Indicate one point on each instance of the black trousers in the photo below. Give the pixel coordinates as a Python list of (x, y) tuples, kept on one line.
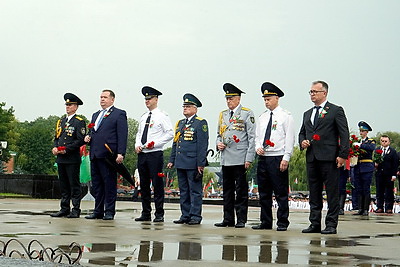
[(320, 173), (271, 179), (70, 186), (149, 165), (384, 191), (234, 181)]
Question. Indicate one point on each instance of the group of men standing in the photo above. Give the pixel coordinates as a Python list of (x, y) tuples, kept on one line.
[(324, 134)]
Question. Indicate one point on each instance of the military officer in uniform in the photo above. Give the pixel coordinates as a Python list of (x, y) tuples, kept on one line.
[(188, 156), (70, 132), (155, 130), (275, 137), (364, 169), (235, 140)]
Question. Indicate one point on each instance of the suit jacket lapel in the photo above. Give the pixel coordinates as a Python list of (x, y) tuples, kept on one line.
[(320, 118), (108, 113)]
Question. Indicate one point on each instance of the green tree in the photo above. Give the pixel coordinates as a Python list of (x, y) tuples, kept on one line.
[(7, 125), (34, 146), (130, 160), (297, 169)]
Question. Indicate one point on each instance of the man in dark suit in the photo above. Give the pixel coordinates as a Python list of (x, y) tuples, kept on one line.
[(111, 128), (325, 135), (188, 155), (385, 176), (70, 131)]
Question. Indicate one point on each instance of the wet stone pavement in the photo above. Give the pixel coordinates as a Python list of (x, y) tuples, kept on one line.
[(372, 241)]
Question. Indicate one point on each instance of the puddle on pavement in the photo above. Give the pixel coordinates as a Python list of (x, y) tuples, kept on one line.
[(279, 252)]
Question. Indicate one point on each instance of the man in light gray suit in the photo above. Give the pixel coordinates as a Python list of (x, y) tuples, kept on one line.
[(235, 142)]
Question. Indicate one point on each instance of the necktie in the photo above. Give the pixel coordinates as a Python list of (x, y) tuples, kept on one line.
[(384, 151), (100, 119), (146, 129), (316, 115), (268, 130), (231, 114)]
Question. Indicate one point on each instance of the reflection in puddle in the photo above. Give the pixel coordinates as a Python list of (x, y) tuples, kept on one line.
[(280, 252)]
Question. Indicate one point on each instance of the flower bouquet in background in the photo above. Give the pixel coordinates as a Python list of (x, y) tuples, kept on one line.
[(377, 157), (355, 150)]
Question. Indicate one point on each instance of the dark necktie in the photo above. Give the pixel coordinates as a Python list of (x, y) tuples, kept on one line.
[(268, 130), (146, 129), (231, 114), (316, 115)]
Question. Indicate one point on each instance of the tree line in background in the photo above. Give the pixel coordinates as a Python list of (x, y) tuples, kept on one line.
[(32, 143)]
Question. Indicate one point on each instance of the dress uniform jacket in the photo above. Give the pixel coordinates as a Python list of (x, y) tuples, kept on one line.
[(70, 134), (365, 162), (242, 126), (190, 144)]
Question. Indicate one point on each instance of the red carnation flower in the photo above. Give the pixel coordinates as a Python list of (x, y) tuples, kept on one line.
[(316, 137), (160, 174), (61, 148), (379, 151), (91, 125), (150, 145), (269, 143)]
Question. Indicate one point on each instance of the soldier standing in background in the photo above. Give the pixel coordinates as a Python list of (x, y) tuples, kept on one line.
[(70, 132), (235, 140)]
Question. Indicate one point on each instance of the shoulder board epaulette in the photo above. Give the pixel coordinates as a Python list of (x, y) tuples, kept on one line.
[(143, 114), (224, 110), (286, 111), (165, 113), (247, 109), (79, 118), (198, 118), (372, 140)]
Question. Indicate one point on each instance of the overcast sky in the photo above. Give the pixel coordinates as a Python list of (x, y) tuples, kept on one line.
[(52, 47)]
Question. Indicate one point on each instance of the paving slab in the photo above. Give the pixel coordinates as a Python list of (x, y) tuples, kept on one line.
[(361, 241)]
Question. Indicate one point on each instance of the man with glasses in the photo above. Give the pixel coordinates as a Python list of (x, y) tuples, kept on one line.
[(188, 156), (385, 176), (322, 128), (70, 131), (235, 141), (155, 130)]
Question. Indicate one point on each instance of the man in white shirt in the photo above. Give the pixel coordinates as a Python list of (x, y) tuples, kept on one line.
[(155, 130), (274, 143)]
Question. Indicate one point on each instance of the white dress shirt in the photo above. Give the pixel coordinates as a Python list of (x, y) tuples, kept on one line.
[(282, 133), (320, 110), (160, 130)]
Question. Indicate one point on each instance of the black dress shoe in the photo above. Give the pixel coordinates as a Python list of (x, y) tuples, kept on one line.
[(73, 215), (108, 217), (240, 225), (193, 222), (224, 224), (59, 214), (329, 231), (143, 219), (311, 229), (93, 216), (262, 226), (281, 228), (158, 219), (180, 221)]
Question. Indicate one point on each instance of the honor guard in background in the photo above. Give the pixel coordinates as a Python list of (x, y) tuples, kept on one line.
[(70, 131), (385, 176), (323, 126), (188, 156), (275, 139), (155, 130), (235, 140), (111, 128), (364, 169)]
